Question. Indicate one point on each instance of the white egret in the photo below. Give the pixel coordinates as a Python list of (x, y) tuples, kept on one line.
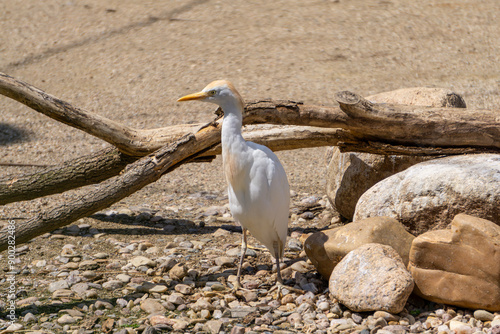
[(258, 190)]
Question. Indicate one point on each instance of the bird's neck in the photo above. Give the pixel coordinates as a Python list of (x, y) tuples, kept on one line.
[(231, 126)]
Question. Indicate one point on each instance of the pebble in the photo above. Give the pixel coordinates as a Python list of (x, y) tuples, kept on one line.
[(184, 289), (152, 306), (62, 284), (225, 261), (139, 261), (483, 315), (112, 285), (66, 319), (88, 265)]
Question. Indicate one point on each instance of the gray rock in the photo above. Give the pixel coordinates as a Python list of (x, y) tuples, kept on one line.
[(152, 306), (371, 277), (123, 278), (225, 261), (80, 288), (62, 284), (88, 265), (112, 285), (66, 319), (101, 305), (178, 272), (63, 293), (29, 317), (483, 315), (241, 312), (176, 299), (213, 326), (428, 195), (184, 289), (142, 261)]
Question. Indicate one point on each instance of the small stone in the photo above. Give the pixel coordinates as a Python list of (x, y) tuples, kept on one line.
[(142, 261), (13, 328), (294, 245), (152, 306), (101, 305), (220, 232), (69, 252), (101, 255), (112, 285), (89, 274), (178, 272), (66, 319), (225, 261), (63, 293), (250, 296), (460, 327), (158, 319), (202, 304), (62, 284), (184, 289), (88, 265), (158, 288), (323, 306), (213, 326), (176, 298), (301, 267), (386, 315), (123, 278), (27, 301), (29, 317), (294, 318), (241, 312), (238, 330), (80, 288), (483, 315)]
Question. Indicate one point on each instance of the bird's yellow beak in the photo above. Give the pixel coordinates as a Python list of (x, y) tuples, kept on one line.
[(195, 96)]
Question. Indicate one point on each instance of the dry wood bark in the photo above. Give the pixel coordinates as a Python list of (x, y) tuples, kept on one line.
[(99, 166), (136, 175)]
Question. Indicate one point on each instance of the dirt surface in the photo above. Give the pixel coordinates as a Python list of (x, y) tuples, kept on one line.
[(130, 61)]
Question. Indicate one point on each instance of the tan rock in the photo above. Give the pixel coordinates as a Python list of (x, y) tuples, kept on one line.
[(326, 248), (459, 266), (152, 306), (371, 277)]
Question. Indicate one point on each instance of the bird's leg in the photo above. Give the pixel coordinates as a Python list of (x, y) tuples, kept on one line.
[(279, 280), (242, 257)]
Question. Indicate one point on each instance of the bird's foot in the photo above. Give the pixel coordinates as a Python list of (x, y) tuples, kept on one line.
[(280, 286), (238, 287)]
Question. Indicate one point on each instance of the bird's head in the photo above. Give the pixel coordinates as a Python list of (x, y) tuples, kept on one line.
[(220, 92)]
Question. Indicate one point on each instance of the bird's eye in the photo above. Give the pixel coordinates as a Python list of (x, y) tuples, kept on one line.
[(212, 92)]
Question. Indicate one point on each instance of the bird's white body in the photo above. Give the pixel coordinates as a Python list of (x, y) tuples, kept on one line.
[(258, 190)]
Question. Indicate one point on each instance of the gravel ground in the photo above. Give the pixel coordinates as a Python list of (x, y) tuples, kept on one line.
[(130, 61)]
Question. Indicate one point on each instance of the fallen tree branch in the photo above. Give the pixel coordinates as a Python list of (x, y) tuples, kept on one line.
[(137, 175), (99, 166)]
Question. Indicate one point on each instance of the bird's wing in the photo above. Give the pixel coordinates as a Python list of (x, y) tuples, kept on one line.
[(277, 190)]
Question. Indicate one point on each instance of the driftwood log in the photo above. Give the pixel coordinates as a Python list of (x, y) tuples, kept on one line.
[(139, 157)]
